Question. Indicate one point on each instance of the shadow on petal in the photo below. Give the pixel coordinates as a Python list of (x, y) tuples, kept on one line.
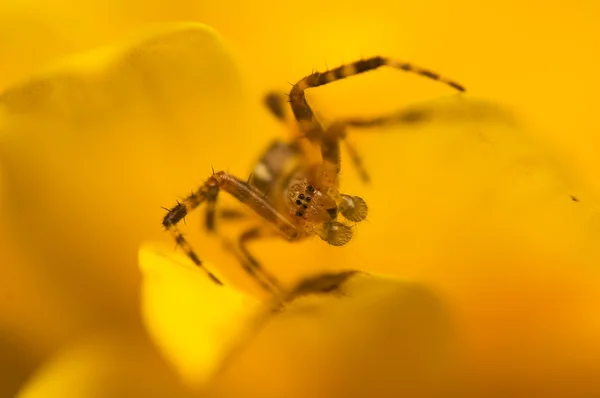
[(381, 337)]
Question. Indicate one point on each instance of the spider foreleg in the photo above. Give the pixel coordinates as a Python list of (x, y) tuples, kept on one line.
[(302, 110), (240, 190), (178, 213)]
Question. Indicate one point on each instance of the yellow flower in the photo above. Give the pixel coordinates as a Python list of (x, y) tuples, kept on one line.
[(226, 344), (375, 336), (92, 146)]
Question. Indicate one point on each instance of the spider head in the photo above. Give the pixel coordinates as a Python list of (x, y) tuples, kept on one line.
[(317, 210), (311, 204)]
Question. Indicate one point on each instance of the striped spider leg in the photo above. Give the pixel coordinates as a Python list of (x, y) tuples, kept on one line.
[(329, 138)]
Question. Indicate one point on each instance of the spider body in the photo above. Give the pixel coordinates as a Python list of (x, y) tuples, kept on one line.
[(294, 192), (294, 188)]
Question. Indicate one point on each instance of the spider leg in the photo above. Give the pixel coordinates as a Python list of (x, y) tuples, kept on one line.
[(231, 214), (304, 114), (339, 128), (275, 103), (257, 274), (330, 153), (408, 116), (211, 205), (324, 283), (252, 266), (404, 117), (224, 214), (356, 160), (240, 190)]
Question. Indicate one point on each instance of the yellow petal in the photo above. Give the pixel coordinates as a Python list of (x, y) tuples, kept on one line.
[(395, 334), (192, 320), (380, 337), (104, 366), (93, 146), (492, 217)]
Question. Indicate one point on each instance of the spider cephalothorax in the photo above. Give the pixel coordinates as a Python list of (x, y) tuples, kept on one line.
[(294, 197), (317, 210), (309, 203)]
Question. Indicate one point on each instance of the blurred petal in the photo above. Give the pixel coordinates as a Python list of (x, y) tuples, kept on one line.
[(104, 366), (16, 361), (382, 332), (381, 337), (192, 320), (492, 230), (491, 216), (94, 145)]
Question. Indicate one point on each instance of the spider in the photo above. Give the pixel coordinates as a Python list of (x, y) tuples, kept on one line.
[(297, 196)]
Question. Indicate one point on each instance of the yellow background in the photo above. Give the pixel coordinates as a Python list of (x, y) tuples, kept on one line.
[(79, 196)]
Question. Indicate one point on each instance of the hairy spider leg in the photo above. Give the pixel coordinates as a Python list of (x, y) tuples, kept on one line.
[(304, 114), (314, 131), (330, 153), (211, 205), (256, 233), (403, 117), (240, 190), (413, 115), (260, 275), (276, 104), (357, 161)]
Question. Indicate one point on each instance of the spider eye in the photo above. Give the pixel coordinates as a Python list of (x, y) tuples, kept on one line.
[(310, 189)]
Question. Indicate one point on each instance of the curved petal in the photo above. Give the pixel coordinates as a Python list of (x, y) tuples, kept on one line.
[(521, 236), (95, 144), (489, 215), (191, 319), (377, 337), (395, 334), (104, 366)]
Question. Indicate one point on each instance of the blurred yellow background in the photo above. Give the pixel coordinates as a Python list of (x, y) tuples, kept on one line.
[(91, 145)]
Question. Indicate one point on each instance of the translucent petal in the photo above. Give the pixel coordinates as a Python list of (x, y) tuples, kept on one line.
[(93, 145), (104, 366), (493, 217), (192, 320), (376, 337)]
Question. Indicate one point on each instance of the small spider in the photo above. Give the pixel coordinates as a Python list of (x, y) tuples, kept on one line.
[(297, 196)]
